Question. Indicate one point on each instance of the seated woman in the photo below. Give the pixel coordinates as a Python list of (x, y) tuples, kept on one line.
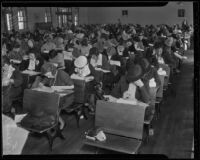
[(12, 85), (150, 74), (86, 72), (99, 62), (57, 57), (131, 88), (53, 77), (85, 47), (59, 41), (133, 75), (30, 62), (15, 53), (158, 50)]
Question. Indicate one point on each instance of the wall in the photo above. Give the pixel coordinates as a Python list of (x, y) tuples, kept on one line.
[(141, 15), (101, 15)]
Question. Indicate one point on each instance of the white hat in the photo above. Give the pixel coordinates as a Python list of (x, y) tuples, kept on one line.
[(179, 31), (80, 62), (80, 35), (69, 31)]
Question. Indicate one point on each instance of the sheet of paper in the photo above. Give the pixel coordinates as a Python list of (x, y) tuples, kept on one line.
[(67, 55), (100, 69), (18, 118), (14, 137), (117, 63), (44, 89), (60, 88), (31, 73), (15, 61)]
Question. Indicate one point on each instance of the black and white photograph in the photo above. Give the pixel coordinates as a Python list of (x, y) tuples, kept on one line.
[(98, 80)]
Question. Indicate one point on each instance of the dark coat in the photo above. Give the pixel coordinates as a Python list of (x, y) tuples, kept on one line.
[(25, 63), (122, 86), (12, 91), (168, 57)]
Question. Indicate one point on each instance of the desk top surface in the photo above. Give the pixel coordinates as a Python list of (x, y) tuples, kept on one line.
[(30, 73)]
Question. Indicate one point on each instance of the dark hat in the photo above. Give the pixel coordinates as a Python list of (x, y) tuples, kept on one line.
[(94, 51), (145, 64), (76, 52), (48, 67), (134, 73), (111, 51)]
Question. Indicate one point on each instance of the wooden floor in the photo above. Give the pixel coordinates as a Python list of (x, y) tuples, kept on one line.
[(173, 132)]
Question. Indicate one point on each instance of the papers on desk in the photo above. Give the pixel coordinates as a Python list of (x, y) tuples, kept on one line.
[(61, 88), (100, 69), (75, 76), (86, 79), (30, 73), (125, 101), (15, 61), (19, 117), (67, 55), (14, 137), (45, 51), (44, 89), (117, 63)]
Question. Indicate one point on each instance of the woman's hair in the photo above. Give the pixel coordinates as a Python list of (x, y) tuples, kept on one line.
[(53, 53), (93, 51)]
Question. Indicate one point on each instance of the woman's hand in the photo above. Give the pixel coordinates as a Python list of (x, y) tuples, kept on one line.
[(139, 83), (126, 95)]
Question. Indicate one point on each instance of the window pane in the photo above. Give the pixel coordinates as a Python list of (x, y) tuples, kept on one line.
[(59, 21), (19, 13), (8, 20), (21, 25)]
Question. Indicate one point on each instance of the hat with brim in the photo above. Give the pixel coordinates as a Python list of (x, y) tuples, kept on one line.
[(111, 51), (80, 62), (76, 53), (48, 67), (134, 73), (114, 42)]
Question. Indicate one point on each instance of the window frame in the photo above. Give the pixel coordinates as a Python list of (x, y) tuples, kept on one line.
[(21, 19)]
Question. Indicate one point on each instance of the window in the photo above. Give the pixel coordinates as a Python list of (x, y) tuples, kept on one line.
[(21, 19), (181, 13), (64, 15), (124, 12), (47, 16), (76, 20), (9, 21), (76, 16)]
